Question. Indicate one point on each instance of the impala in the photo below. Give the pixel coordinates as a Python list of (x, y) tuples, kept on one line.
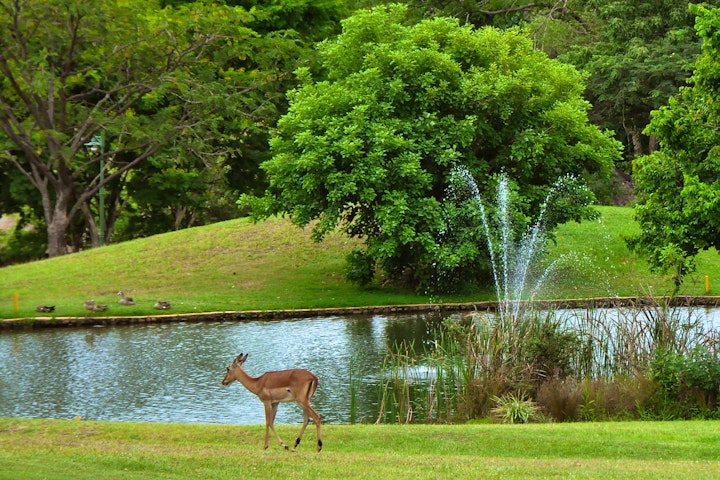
[(294, 385)]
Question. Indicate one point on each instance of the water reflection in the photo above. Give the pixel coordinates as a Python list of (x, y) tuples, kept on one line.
[(172, 372)]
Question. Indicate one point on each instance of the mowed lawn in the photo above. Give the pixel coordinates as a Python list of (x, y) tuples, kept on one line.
[(66, 449)]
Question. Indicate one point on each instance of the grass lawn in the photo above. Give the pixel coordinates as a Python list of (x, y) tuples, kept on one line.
[(598, 263), (238, 265), (64, 449)]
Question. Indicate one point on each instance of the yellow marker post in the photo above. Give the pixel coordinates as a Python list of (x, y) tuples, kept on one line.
[(16, 302), (707, 284)]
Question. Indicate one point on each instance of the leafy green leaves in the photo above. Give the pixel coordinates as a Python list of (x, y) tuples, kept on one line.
[(370, 149), (192, 88), (678, 192)]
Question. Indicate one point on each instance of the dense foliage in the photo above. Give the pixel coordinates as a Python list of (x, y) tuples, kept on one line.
[(122, 73), (677, 187), (637, 55), (371, 149), (179, 99), (643, 54)]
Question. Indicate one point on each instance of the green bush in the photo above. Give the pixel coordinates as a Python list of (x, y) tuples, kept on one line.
[(552, 351), (687, 383), (359, 268)]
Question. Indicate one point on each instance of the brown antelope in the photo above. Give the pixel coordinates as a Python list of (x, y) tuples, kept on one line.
[(295, 385)]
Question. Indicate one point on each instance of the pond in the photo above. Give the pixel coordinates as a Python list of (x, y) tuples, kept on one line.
[(172, 372)]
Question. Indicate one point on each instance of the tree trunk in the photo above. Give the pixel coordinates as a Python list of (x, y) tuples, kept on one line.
[(654, 144), (58, 220), (56, 230), (91, 224), (636, 138)]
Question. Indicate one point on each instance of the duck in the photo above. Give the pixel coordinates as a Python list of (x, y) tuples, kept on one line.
[(125, 300), (45, 308), (91, 306), (160, 305)]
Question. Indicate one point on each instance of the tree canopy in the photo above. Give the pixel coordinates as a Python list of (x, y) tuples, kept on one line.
[(370, 150), (643, 54), (140, 77), (180, 94), (677, 187)]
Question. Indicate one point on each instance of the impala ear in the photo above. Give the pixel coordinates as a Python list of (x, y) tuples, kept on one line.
[(244, 358)]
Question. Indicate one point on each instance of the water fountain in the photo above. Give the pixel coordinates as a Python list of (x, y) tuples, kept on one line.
[(513, 259)]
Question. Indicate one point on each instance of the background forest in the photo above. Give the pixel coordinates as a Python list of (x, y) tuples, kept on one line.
[(122, 119)]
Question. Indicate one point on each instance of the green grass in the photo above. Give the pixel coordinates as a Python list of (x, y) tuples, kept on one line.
[(59, 449), (600, 263), (238, 265)]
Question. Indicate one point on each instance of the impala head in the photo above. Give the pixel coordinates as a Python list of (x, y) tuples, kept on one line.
[(234, 366)]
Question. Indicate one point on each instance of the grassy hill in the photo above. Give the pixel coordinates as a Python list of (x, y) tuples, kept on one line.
[(238, 265)]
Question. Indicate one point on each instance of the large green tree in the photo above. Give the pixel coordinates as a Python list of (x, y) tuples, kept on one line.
[(138, 76), (370, 150), (678, 187)]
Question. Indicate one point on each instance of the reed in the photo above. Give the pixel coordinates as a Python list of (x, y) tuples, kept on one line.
[(423, 386), (399, 374), (354, 386), (596, 363)]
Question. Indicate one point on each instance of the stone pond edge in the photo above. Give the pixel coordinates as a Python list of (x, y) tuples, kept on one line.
[(440, 308)]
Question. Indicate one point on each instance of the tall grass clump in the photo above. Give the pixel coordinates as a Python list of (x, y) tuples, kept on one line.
[(426, 386), (644, 361), (674, 350), (399, 377)]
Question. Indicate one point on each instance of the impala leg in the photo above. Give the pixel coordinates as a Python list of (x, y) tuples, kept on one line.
[(270, 412), (268, 420), (308, 411), (306, 420)]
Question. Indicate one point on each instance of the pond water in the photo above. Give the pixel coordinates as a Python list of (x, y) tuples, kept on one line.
[(172, 372)]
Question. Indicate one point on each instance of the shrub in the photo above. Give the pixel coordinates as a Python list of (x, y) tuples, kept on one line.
[(687, 383), (551, 351), (360, 268), (562, 400), (23, 245), (515, 408)]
